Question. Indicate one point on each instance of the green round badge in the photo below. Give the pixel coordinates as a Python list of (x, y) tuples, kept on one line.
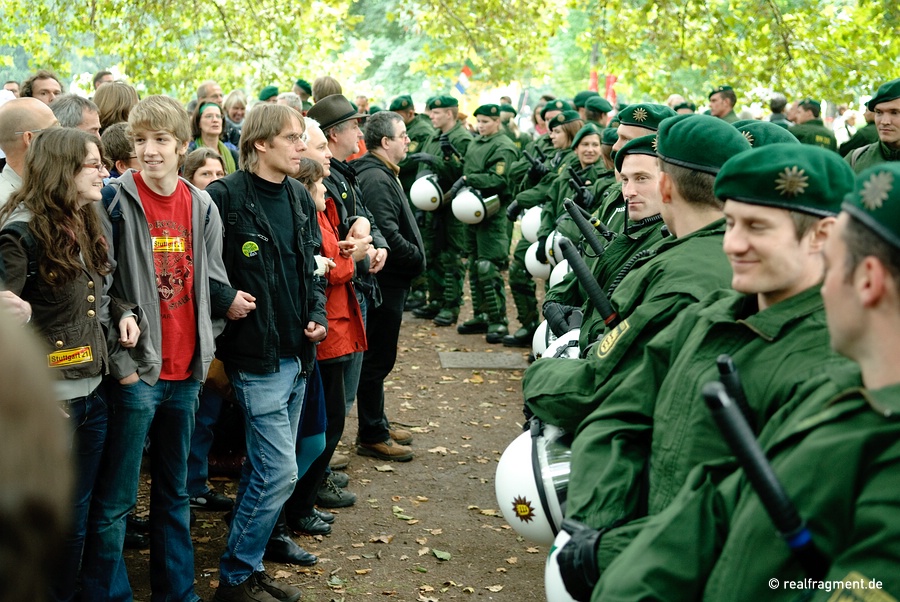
[(250, 248)]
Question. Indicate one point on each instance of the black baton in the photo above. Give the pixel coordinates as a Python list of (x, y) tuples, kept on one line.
[(774, 498), (588, 231), (728, 375), (594, 292)]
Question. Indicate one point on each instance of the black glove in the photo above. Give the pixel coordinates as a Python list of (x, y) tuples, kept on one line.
[(537, 171), (556, 160), (422, 158), (578, 559), (513, 211), (584, 198), (457, 185), (447, 147), (557, 316), (541, 252)]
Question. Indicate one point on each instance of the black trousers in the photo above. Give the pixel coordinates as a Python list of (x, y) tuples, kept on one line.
[(382, 334)]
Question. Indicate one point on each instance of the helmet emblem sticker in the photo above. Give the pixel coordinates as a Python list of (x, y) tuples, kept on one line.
[(523, 509)]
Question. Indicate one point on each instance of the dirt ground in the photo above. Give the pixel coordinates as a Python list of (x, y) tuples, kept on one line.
[(410, 515)]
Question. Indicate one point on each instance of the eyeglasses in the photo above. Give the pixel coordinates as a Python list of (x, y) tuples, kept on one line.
[(97, 166), (293, 138), (29, 131), (403, 136)]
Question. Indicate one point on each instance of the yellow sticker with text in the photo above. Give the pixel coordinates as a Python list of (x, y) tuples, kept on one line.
[(611, 338), (70, 357), (168, 244)]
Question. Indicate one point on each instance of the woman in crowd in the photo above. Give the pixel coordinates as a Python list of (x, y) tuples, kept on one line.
[(235, 109), (346, 335), (208, 127), (56, 259), (202, 166), (114, 102)]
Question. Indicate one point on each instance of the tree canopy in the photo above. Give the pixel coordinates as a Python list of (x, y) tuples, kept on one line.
[(826, 49)]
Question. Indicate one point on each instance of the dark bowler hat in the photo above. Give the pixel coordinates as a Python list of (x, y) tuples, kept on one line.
[(333, 110)]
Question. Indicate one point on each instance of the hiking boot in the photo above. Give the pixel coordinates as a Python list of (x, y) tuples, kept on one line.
[(332, 496), (339, 461), (248, 591), (415, 300), (428, 311), (400, 436), (476, 325), (446, 317), (340, 479), (277, 589), (386, 450), (495, 333)]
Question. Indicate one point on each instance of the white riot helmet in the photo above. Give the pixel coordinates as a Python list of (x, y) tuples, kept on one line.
[(542, 338), (565, 347), (535, 267), (551, 248), (559, 272), (470, 208), (531, 223), (532, 480), (425, 193), (554, 586)]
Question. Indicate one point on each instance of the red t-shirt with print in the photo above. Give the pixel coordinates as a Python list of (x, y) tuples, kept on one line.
[(169, 220)]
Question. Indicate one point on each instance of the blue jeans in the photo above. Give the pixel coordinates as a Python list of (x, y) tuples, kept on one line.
[(168, 406), (88, 419), (272, 404), (201, 442)]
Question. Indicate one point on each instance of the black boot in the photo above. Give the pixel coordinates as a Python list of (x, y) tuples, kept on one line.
[(281, 548)]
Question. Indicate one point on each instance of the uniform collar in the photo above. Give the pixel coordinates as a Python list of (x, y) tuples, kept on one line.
[(770, 322)]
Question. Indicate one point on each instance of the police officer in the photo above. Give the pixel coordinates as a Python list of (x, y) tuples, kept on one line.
[(444, 235), (507, 115), (721, 103), (484, 169), (886, 106), (809, 128), (699, 547), (597, 110)]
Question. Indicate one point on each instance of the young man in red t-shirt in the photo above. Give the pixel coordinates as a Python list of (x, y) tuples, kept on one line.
[(166, 239)]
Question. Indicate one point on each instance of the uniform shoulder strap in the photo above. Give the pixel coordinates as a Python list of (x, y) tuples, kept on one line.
[(856, 152)]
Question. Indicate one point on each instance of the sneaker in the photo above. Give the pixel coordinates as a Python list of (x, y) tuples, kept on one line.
[(212, 500), (250, 590), (339, 461), (309, 525), (386, 450), (332, 496), (277, 589), (340, 479), (400, 436)]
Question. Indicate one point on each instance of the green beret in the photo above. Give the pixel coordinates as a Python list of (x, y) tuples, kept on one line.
[(563, 118), (645, 115), (742, 122), (508, 109), (555, 105), (587, 130), (645, 145), (762, 133), (610, 136), (598, 104), (488, 110), (441, 102), (797, 177), (581, 98), (402, 103), (614, 122), (885, 93), (685, 105), (721, 89), (268, 92), (303, 85), (807, 103), (875, 201), (374, 109), (699, 142)]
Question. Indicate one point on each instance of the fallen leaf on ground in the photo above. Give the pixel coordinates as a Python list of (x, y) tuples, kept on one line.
[(357, 545), (494, 588), (385, 468), (440, 554), (439, 450), (532, 550), (423, 551), (382, 539), (362, 571), (490, 512), (512, 560)]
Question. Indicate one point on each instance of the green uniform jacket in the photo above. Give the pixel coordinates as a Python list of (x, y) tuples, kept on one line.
[(419, 131), (632, 455), (659, 284), (612, 209), (449, 169), (554, 215), (814, 132), (867, 156), (539, 193), (838, 458), (486, 162), (518, 171), (521, 140), (730, 118), (863, 137)]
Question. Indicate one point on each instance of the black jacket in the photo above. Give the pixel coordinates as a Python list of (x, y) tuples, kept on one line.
[(387, 202), (250, 253)]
